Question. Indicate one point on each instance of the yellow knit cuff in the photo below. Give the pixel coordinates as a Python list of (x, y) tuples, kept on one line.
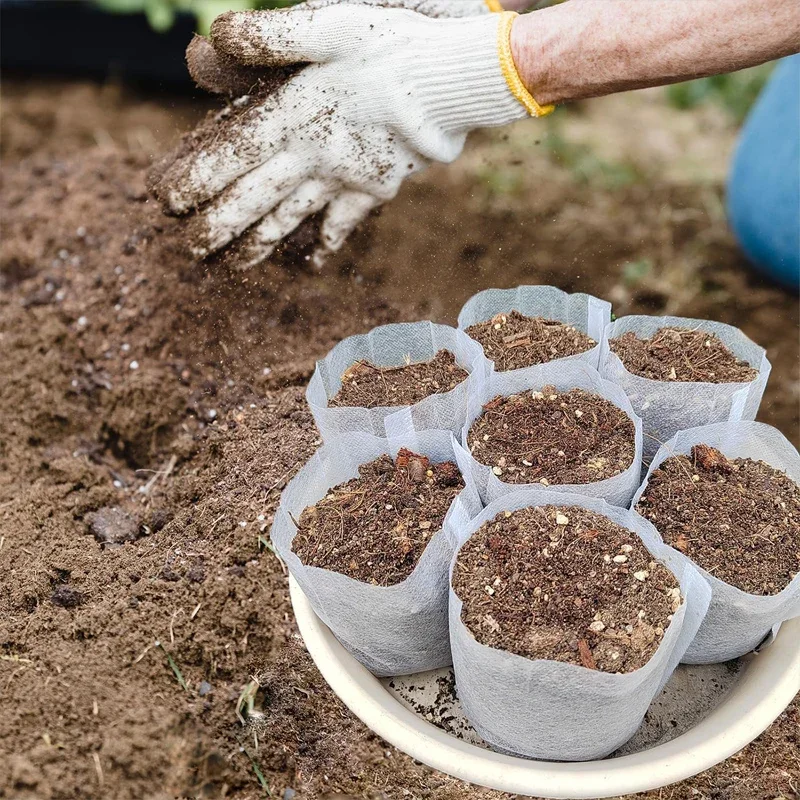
[(509, 69), (494, 6)]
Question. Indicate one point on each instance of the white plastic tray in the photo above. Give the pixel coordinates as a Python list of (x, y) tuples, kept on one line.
[(764, 686)]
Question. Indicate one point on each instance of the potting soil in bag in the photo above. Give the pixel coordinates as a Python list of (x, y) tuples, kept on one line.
[(587, 690), (397, 346), (595, 430), (734, 531), (676, 403), (500, 319), (392, 629)]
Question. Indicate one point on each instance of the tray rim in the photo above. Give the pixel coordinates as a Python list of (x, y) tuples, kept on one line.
[(768, 683)]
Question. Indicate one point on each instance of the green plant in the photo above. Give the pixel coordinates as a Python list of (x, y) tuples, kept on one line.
[(161, 13), (735, 92), (585, 165)]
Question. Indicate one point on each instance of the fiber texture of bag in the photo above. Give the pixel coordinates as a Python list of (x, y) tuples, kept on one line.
[(667, 407), (617, 490), (582, 311), (554, 710), (392, 630), (393, 346), (737, 622)]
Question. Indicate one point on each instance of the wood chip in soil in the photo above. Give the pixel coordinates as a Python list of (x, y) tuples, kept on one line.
[(365, 385), (738, 519), (514, 341), (682, 355), (553, 437), (374, 528), (565, 584)]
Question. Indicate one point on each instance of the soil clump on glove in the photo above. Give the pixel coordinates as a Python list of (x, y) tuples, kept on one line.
[(738, 519), (553, 437), (681, 354), (514, 341), (365, 385), (375, 528), (565, 584)]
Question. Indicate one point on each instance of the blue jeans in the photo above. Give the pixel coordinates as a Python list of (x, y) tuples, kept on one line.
[(764, 184)]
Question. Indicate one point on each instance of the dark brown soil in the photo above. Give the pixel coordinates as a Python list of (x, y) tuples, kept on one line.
[(739, 519), (374, 528), (680, 354), (366, 386), (514, 341), (565, 584), (553, 437), (70, 153)]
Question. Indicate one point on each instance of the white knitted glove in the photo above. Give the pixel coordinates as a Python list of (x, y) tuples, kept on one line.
[(219, 75), (387, 92)]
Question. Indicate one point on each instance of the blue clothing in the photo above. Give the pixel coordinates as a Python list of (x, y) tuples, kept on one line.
[(764, 184)]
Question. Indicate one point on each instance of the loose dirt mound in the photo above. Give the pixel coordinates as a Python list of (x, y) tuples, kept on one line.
[(166, 401)]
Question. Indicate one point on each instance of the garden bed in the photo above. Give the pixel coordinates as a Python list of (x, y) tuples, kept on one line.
[(134, 380)]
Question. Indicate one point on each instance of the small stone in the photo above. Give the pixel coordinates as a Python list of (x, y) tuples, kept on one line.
[(489, 590), (66, 597), (578, 413), (641, 575), (204, 688), (561, 519), (497, 470), (696, 478), (544, 481), (627, 548), (620, 559), (425, 525), (597, 626)]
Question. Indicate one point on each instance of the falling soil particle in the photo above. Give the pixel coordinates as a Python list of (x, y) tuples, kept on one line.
[(683, 355), (514, 341), (112, 526), (367, 386), (553, 437), (739, 519), (374, 528), (565, 584)]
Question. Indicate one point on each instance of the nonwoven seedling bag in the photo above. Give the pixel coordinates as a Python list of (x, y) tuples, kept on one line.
[(737, 622), (667, 407), (393, 346), (617, 490), (392, 630), (582, 311), (554, 710)]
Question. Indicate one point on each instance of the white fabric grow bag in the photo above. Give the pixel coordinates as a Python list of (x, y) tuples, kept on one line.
[(393, 346), (617, 490), (392, 630), (582, 311), (667, 407), (554, 710), (737, 622)]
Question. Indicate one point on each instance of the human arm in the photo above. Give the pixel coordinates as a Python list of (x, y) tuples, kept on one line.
[(589, 48), (387, 91)]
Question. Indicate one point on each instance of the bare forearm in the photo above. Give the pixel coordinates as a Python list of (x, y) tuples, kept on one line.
[(589, 48)]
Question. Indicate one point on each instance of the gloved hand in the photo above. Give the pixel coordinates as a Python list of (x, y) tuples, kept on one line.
[(387, 92), (217, 74)]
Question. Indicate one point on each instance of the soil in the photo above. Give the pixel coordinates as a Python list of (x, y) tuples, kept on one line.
[(366, 386), (553, 437), (92, 708), (375, 528), (514, 341), (739, 519), (565, 584), (680, 354)]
